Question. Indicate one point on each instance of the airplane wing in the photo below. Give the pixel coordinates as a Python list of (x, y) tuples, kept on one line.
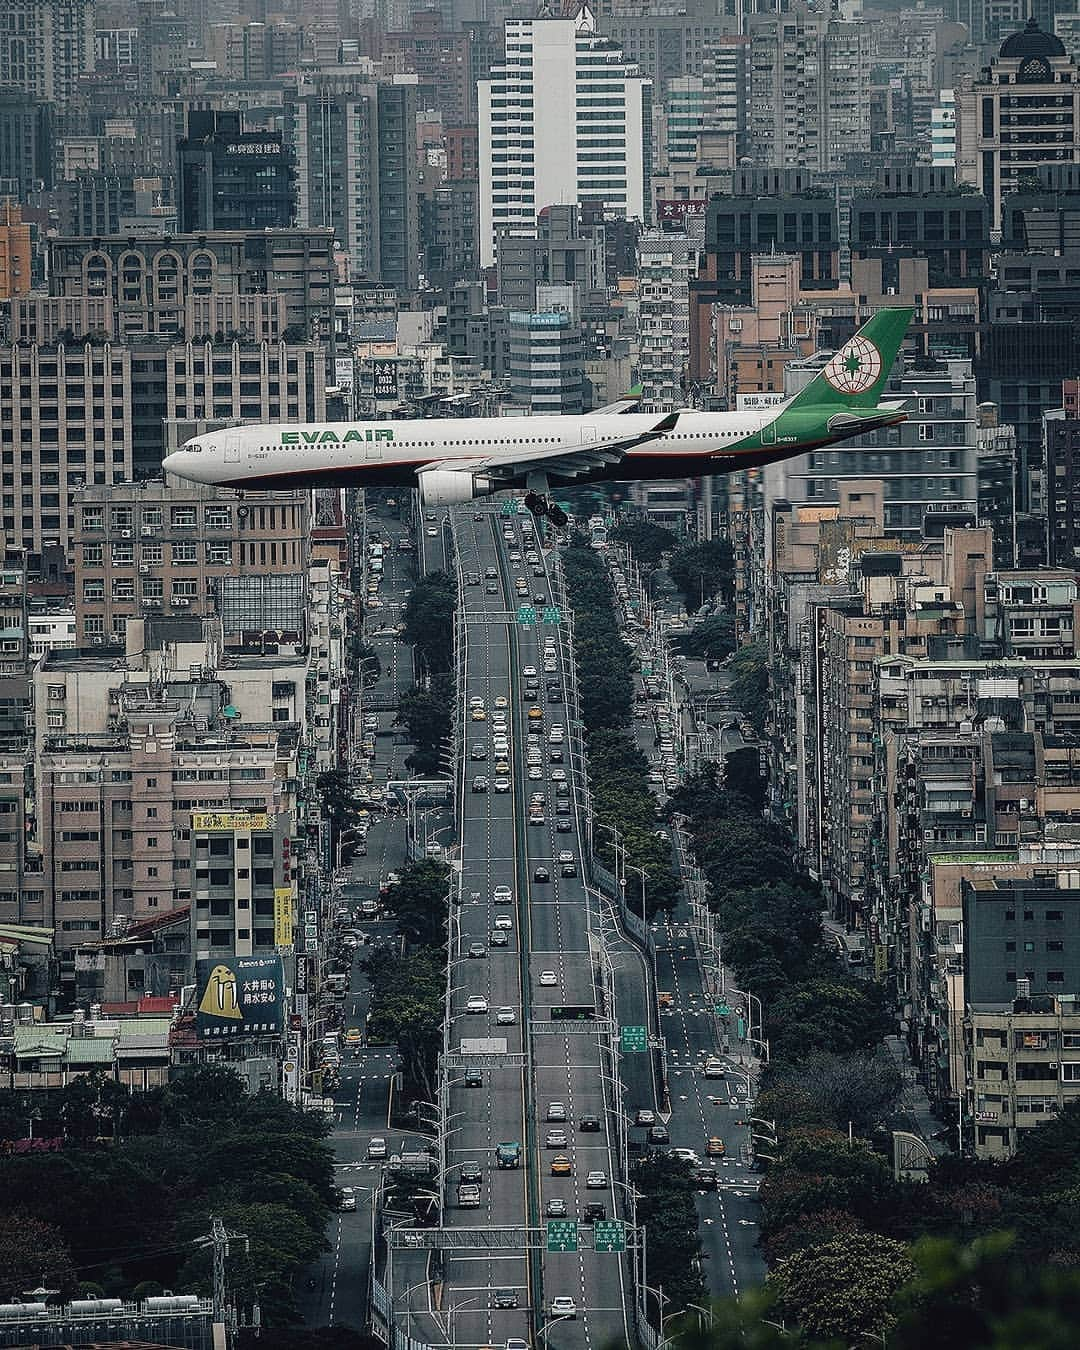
[(565, 462), (622, 405)]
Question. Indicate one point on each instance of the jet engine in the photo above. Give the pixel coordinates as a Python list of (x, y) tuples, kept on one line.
[(451, 487)]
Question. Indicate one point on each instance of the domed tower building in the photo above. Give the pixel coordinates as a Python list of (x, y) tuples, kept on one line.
[(1023, 112)]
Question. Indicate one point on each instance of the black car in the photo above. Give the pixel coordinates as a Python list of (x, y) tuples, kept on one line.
[(593, 1211), (555, 696), (472, 1172), (589, 1124), (492, 588), (504, 1298), (658, 1134), (474, 1078), (478, 515), (541, 874), (562, 808)]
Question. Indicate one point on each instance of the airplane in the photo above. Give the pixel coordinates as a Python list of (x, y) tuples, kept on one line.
[(455, 460)]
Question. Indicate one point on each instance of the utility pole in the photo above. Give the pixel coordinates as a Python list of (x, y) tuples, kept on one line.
[(219, 1239)]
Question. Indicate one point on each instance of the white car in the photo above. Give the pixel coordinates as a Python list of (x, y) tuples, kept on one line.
[(502, 895), (563, 1306), (348, 1199), (504, 923), (529, 672), (505, 1017), (684, 1155), (476, 1004), (596, 1181), (558, 775), (548, 979), (502, 784), (376, 1148), (535, 773)]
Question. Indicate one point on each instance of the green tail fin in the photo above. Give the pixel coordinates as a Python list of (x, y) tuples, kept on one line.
[(856, 374)]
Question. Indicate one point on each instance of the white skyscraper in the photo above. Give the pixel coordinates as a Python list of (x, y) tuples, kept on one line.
[(566, 120)]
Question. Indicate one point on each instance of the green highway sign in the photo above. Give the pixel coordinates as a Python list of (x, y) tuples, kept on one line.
[(633, 1040), (646, 670), (722, 1010), (526, 614), (741, 1025), (609, 1236), (562, 1235), (509, 507), (553, 614)]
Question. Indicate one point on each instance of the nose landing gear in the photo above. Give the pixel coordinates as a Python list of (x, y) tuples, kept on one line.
[(539, 505)]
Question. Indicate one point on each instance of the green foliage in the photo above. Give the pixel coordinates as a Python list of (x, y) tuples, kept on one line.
[(32, 1253), (647, 541), (703, 570), (419, 902), (407, 994), (209, 1148), (673, 1245), (711, 640), (843, 1288), (427, 714), (838, 1090), (429, 620), (749, 669)]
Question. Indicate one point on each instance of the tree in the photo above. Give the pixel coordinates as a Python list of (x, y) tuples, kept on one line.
[(828, 1013), (32, 1253), (407, 1008), (742, 776), (428, 716), (429, 620), (703, 570), (857, 1089), (419, 902), (749, 685), (648, 542), (711, 639), (843, 1288)]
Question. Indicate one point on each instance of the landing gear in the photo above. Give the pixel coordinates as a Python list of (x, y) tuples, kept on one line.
[(539, 505)]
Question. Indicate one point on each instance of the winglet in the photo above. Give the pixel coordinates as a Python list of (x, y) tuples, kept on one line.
[(854, 376)]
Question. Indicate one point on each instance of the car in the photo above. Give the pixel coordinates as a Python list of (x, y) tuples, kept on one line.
[(593, 1211), (564, 826), (479, 783), (589, 1124), (348, 1200), (468, 1197), (548, 979), (665, 998), (432, 532), (556, 1111), (540, 598), (535, 773), (476, 1003), (471, 1171), (555, 1208), (354, 1036), (714, 1068), (658, 1134), (505, 1017), (492, 588), (715, 1147), (478, 515), (684, 1155), (505, 922), (501, 785), (568, 869), (562, 807), (474, 1078), (491, 573), (477, 949), (561, 1166), (541, 874), (554, 696), (556, 1139), (596, 1181), (644, 1116), (537, 818), (478, 715), (478, 750), (376, 1148), (555, 755), (501, 701), (504, 1298), (502, 766), (498, 938), (558, 775), (529, 672), (502, 895), (536, 714), (704, 1175), (563, 1306)]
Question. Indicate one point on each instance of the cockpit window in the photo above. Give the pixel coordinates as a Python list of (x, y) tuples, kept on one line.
[(194, 449)]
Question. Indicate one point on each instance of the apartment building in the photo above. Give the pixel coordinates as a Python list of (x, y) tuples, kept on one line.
[(46, 46), (141, 549), (663, 319)]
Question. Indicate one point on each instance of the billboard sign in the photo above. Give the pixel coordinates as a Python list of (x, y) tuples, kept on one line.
[(219, 822), (385, 379), (239, 996), (283, 924)]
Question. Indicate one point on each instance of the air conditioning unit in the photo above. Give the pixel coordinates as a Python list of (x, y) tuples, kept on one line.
[(125, 534), (182, 603), (149, 531), (144, 568)]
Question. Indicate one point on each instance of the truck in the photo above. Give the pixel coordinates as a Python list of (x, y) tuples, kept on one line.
[(412, 1164), (508, 1155)]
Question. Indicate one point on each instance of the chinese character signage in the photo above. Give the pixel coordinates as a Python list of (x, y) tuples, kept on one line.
[(384, 376), (217, 822), (283, 925), (239, 996)]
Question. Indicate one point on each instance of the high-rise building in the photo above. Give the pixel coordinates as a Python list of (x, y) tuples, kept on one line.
[(1021, 113), (45, 46), (809, 89), (566, 120), (232, 179), (663, 319), (547, 358), (26, 131), (353, 141), (15, 260)]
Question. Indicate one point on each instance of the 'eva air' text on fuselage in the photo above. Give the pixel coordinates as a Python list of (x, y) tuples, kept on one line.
[(333, 438)]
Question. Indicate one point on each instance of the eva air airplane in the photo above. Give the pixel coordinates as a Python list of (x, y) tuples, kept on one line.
[(454, 460)]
